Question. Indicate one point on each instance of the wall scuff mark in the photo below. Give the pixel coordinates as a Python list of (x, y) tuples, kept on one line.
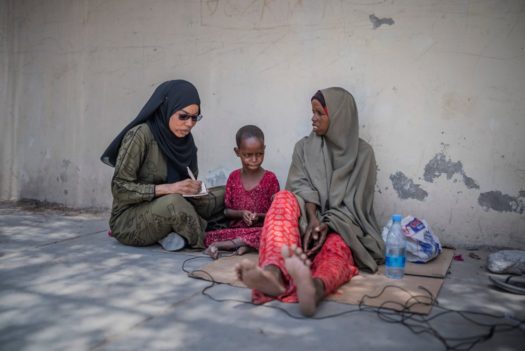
[(441, 165), (63, 174), (497, 201), (378, 22), (406, 188)]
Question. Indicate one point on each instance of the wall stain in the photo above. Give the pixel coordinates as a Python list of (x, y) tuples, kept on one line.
[(441, 165), (497, 201), (63, 174), (378, 22), (406, 188)]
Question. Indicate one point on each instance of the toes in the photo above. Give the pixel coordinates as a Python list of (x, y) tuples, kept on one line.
[(298, 251), (213, 252), (241, 250), (300, 254), (238, 271), (285, 251)]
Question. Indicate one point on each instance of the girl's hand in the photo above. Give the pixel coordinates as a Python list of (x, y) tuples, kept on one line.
[(248, 217)]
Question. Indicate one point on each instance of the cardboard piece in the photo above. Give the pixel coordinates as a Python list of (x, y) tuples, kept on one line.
[(436, 268), (420, 280), (376, 290)]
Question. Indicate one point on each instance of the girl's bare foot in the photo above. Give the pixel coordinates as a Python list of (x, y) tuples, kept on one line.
[(298, 266), (265, 281), (242, 250), (212, 251), (235, 245)]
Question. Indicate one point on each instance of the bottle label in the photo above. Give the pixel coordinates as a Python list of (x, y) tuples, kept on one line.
[(395, 261)]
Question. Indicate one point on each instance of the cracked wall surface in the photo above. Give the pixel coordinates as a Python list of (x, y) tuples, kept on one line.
[(440, 89)]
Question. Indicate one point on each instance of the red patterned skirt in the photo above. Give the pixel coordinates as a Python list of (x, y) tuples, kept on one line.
[(250, 236)]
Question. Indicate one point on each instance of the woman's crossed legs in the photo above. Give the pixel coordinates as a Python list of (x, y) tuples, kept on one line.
[(284, 272)]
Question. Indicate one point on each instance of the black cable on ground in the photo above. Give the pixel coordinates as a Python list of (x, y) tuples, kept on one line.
[(416, 323)]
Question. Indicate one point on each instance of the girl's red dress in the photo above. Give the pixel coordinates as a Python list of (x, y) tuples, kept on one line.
[(256, 200)]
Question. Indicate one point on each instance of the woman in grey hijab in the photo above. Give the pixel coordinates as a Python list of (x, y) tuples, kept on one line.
[(323, 225)]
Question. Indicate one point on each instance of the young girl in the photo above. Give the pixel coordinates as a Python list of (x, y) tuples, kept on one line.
[(249, 193)]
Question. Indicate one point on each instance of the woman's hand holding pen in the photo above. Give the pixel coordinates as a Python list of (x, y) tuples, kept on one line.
[(184, 187), (188, 187)]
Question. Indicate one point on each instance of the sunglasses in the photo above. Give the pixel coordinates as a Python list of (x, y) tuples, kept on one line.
[(184, 116)]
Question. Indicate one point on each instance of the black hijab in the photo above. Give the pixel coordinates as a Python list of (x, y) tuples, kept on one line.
[(169, 97), (319, 97)]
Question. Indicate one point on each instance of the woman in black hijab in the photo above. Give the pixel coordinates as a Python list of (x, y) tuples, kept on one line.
[(151, 157)]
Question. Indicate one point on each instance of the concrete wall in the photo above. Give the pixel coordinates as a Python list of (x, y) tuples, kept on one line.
[(440, 88)]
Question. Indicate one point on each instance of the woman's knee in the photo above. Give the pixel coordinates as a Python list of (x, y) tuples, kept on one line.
[(171, 198), (132, 239), (284, 196), (336, 245), (174, 204)]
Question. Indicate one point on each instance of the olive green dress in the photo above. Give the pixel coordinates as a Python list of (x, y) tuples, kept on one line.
[(138, 218)]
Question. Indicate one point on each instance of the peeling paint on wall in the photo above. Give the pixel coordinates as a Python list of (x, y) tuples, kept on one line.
[(406, 188), (377, 22), (497, 201), (441, 165)]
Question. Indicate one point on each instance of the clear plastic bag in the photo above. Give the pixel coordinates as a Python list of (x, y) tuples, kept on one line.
[(422, 244), (507, 261)]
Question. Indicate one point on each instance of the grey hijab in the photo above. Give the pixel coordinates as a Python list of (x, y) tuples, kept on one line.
[(338, 173)]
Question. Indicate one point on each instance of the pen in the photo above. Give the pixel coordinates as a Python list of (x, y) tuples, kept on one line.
[(190, 173), (203, 189)]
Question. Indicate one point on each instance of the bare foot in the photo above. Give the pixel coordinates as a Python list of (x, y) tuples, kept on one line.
[(242, 250), (212, 251), (259, 279), (298, 266)]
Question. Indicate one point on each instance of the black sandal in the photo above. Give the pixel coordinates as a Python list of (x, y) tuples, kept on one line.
[(509, 284)]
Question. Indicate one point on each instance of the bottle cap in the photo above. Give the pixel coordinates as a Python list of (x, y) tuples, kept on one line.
[(396, 218)]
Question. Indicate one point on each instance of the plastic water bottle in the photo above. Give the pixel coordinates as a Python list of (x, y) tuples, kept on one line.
[(395, 250)]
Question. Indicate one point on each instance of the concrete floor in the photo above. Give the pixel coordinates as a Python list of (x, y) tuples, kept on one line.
[(65, 285)]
